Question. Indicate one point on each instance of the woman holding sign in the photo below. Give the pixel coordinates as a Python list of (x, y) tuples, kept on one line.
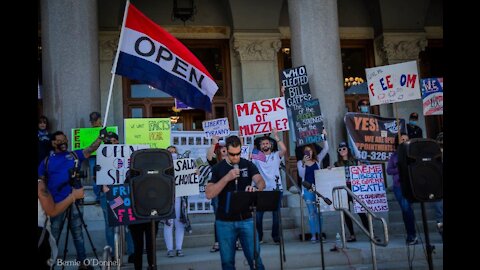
[(346, 159)]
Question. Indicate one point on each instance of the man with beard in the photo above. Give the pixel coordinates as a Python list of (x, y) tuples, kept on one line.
[(270, 171), (55, 171)]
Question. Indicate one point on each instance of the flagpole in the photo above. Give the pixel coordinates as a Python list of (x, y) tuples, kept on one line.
[(114, 67)]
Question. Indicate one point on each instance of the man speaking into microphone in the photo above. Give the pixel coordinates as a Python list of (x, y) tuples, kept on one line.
[(234, 174)]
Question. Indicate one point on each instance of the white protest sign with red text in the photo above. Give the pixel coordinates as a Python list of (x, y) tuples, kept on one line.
[(393, 83), (262, 116)]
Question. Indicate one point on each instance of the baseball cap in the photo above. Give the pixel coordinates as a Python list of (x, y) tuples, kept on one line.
[(342, 144), (94, 116), (414, 115), (111, 134)]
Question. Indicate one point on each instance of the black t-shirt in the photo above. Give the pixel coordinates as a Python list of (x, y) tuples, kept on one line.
[(212, 162), (414, 131), (247, 170)]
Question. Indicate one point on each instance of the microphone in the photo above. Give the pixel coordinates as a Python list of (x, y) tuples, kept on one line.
[(235, 166), (308, 186)]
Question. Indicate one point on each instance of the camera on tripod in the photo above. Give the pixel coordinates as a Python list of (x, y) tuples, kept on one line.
[(75, 178), (76, 175)]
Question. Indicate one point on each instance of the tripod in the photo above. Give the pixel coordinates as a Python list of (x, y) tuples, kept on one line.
[(68, 218), (280, 227)]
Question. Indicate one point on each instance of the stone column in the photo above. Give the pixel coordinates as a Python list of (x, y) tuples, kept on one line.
[(258, 59), (70, 62), (316, 44), (394, 48)]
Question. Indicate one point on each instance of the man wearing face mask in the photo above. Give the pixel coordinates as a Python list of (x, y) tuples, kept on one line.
[(364, 106), (413, 130), (54, 170)]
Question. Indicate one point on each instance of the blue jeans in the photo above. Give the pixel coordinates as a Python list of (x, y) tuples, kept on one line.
[(110, 230), (313, 217), (92, 162), (438, 211), (275, 223), (76, 230), (228, 232), (407, 212)]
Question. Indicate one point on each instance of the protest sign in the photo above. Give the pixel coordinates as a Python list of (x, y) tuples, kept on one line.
[(368, 184)]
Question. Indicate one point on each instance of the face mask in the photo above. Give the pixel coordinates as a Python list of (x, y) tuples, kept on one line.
[(413, 122), (62, 147), (364, 109)]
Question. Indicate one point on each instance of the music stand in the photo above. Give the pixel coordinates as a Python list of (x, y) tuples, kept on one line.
[(242, 202)]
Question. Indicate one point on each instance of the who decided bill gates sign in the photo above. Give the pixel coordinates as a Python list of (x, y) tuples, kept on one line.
[(151, 55)]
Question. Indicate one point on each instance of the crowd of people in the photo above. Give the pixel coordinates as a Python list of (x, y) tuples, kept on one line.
[(58, 197)]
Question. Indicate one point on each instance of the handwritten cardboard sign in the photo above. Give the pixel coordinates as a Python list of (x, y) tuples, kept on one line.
[(84, 137), (297, 89), (432, 96), (216, 127), (119, 206), (152, 131), (308, 122), (113, 162), (393, 83), (262, 116), (186, 179), (368, 184)]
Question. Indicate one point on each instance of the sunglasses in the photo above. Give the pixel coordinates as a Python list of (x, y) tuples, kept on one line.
[(234, 154), (341, 149)]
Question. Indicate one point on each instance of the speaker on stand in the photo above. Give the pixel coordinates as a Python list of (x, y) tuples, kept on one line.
[(421, 177), (152, 187)]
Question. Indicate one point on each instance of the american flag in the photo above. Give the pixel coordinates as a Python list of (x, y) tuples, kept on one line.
[(256, 154), (116, 202)]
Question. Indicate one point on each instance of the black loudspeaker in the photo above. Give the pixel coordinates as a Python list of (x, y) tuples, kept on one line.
[(152, 184), (421, 170)]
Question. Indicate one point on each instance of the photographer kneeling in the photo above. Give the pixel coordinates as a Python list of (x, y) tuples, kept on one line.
[(59, 171)]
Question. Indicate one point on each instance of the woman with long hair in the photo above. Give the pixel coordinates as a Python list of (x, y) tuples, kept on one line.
[(346, 159)]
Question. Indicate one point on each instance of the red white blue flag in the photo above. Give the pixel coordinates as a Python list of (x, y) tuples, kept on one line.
[(151, 55)]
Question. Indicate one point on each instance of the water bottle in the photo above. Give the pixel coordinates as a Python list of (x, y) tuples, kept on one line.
[(338, 241)]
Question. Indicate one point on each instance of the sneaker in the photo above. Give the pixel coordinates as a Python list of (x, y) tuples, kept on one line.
[(313, 240), (215, 247), (170, 254), (238, 246), (180, 253), (412, 240), (352, 238)]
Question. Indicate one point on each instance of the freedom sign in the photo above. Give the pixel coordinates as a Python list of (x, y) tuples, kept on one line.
[(373, 136), (368, 184), (119, 206), (114, 162), (432, 96), (393, 83), (216, 127), (262, 116), (186, 179)]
